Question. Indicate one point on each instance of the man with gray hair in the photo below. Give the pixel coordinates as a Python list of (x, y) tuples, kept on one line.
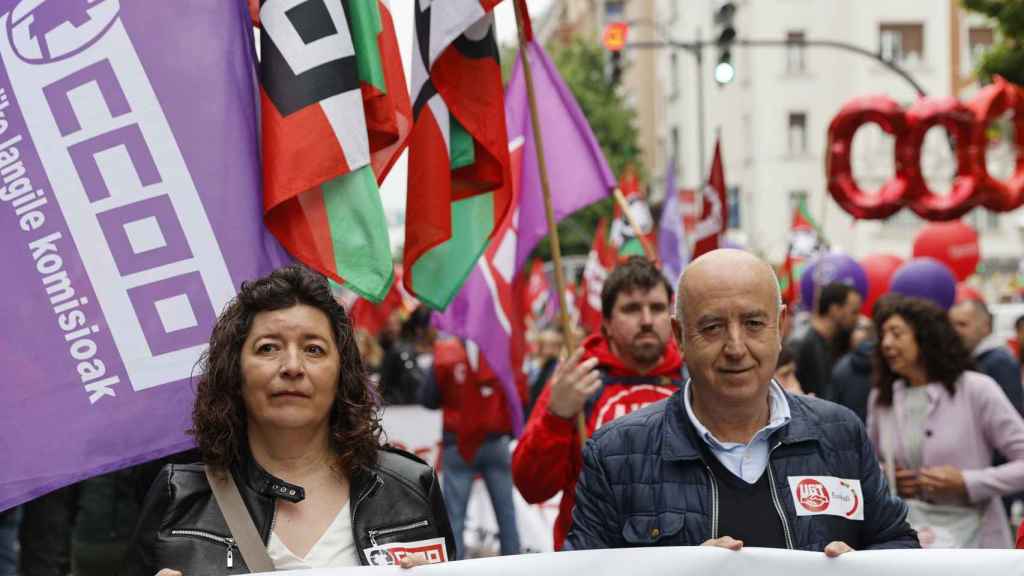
[(731, 460), (973, 322)]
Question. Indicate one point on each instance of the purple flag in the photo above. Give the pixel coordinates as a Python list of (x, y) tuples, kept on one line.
[(673, 249), (579, 175), (577, 170), (131, 211)]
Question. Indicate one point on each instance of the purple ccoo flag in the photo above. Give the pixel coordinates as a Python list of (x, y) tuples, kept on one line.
[(579, 175), (130, 211)]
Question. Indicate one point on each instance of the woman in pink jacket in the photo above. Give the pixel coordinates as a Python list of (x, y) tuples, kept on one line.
[(935, 425)]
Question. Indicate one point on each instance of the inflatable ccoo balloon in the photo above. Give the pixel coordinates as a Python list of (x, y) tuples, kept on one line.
[(955, 244), (829, 268), (925, 278), (879, 269)]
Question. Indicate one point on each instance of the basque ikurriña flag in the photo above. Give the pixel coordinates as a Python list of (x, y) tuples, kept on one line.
[(491, 307), (805, 242), (458, 156), (336, 115)]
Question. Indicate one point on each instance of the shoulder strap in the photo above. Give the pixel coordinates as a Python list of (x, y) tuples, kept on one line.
[(225, 491)]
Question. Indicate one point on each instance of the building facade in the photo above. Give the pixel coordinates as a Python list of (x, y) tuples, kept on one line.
[(773, 117)]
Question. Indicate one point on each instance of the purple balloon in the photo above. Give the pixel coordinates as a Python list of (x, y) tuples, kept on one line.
[(925, 278), (732, 244), (834, 267)]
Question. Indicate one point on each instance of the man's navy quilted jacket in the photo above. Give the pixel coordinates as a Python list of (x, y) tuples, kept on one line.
[(644, 482)]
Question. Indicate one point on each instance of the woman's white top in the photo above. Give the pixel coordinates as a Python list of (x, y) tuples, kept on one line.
[(335, 548)]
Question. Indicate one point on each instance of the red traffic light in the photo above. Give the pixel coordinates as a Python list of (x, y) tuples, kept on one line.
[(615, 36)]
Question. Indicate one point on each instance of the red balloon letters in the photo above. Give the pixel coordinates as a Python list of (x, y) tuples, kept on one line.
[(966, 124)]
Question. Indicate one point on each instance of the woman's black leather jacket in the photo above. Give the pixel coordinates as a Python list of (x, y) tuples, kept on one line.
[(182, 528)]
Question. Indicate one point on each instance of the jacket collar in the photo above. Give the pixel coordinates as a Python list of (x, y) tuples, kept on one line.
[(680, 439), (267, 484), (987, 344), (362, 482)]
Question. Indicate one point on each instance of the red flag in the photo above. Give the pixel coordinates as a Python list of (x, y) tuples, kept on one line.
[(600, 261), (714, 217), (538, 294)]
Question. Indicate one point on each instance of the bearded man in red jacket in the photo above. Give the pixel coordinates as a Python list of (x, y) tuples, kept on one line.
[(633, 362)]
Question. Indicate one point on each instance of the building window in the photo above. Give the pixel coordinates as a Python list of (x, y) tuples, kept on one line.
[(978, 41), (795, 48), (676, 144), (901, 43), (732, 198), (614, 11), (797, 133)]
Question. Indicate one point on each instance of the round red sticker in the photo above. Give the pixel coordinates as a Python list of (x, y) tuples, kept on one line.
[(812, 495)]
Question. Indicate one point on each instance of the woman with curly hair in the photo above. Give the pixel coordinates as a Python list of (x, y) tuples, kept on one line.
[(284, 410), (935, 424)]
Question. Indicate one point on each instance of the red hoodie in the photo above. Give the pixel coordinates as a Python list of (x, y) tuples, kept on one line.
[(548, 458), (472, 399)]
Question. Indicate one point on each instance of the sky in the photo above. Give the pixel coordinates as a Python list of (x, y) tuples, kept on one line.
[(394, 186)]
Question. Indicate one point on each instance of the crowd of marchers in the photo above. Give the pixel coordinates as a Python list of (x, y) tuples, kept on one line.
[(704, 412)]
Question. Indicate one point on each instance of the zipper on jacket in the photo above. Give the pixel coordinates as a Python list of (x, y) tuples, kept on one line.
[(777, 502), (714, 503), (386, 531), (228, 542), (355, 508)]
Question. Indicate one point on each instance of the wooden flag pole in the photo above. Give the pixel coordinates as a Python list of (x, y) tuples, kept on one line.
[(568, 332), (620, 199)]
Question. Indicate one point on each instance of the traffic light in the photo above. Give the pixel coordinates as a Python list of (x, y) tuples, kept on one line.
[(724, 22), (615, 63), (614, 39)]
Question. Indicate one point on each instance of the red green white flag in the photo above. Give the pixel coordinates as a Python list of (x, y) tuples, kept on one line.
[(458, 155), (335, 116), (622, 235), (805, 240)]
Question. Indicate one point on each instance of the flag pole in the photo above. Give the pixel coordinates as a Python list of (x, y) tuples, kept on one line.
[(568, 332), (620, 199)]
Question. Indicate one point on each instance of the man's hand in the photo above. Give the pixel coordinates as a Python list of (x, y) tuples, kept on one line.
[(727, 542), (168, 572), (942, 483), (907, 483), (837, 548), (572, 384)]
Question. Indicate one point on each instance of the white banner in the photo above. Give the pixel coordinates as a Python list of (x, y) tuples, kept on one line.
[(676, 561), (418, 430)]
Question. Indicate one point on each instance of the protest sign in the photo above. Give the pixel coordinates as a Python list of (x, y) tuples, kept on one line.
[(673, 561)]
